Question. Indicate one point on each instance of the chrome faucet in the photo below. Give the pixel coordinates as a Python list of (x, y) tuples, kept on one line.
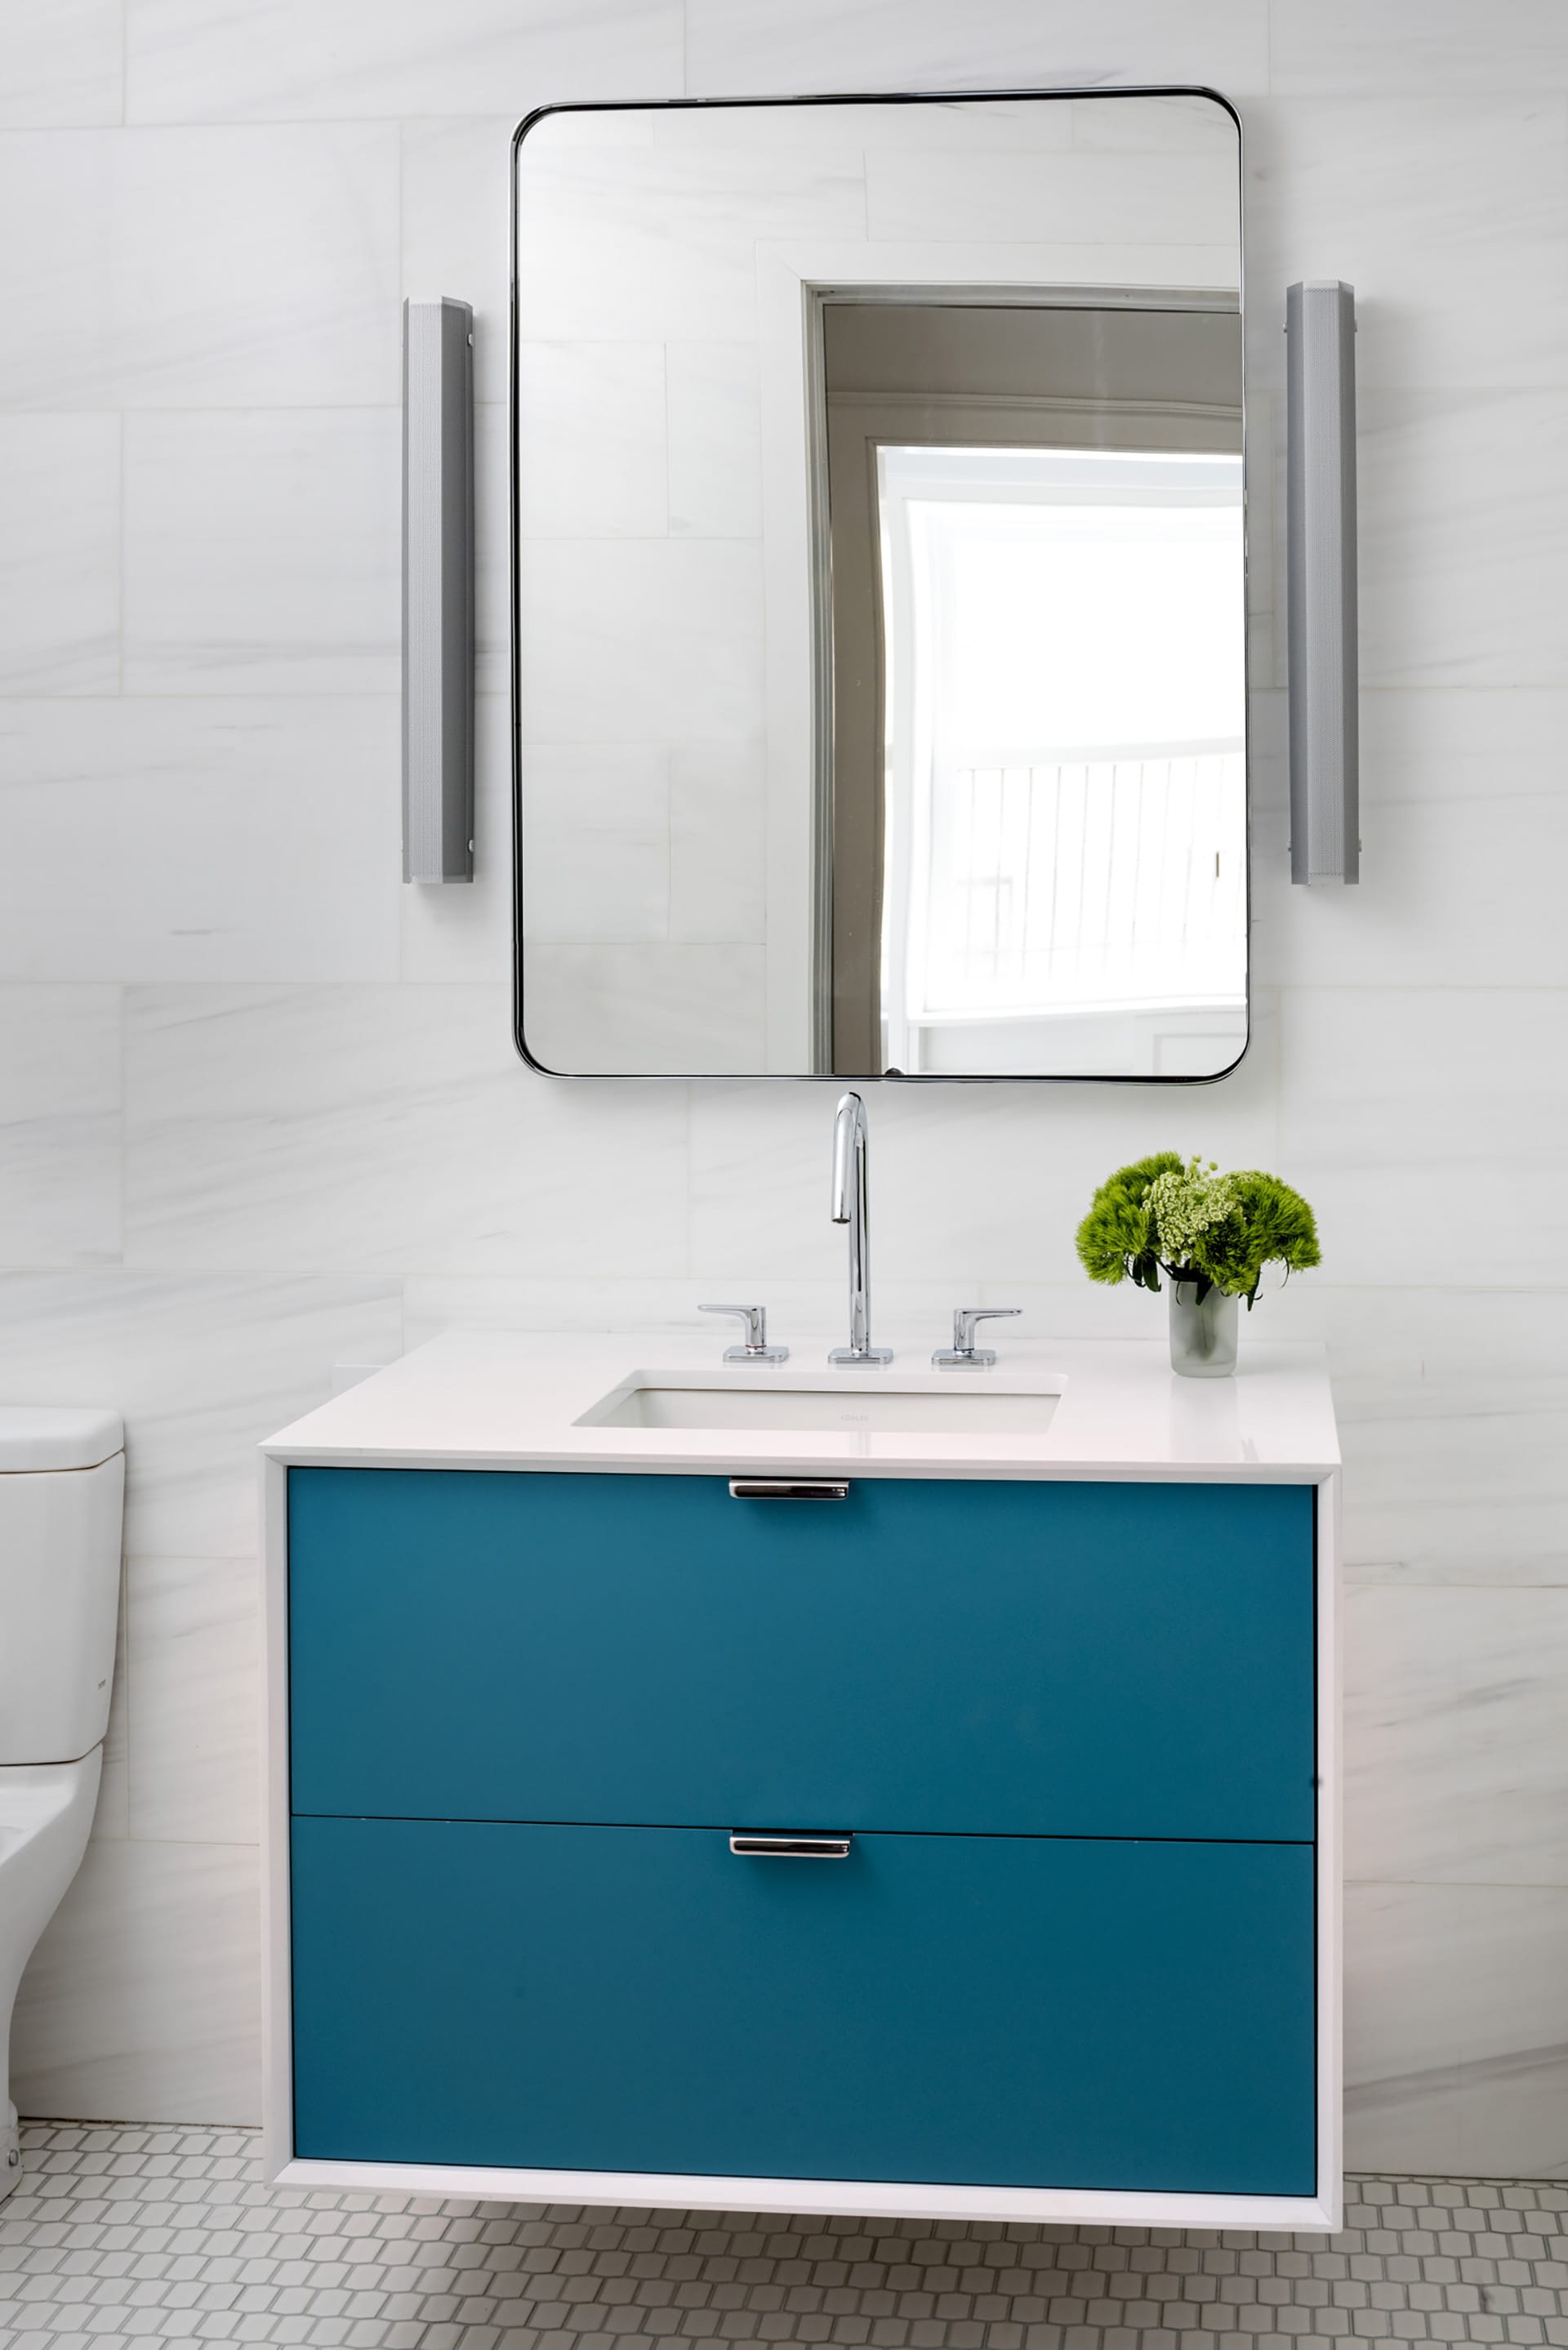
[(851, 1206)]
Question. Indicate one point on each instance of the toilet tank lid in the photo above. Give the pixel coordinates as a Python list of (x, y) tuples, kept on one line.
[(56, 1436)]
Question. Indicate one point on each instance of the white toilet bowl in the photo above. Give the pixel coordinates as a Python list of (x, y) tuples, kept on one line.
[(45, 1812), (62, 1478)]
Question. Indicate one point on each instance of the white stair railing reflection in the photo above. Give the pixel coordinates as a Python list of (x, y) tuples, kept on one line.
[(1083, 884)]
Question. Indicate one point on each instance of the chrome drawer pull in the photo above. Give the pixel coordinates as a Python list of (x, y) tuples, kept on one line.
[(791, 1848), (786, 1489)]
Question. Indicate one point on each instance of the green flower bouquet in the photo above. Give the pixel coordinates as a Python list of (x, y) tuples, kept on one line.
[(1210, 1234)]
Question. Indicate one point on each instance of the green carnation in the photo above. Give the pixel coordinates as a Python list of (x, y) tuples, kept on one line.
[(1114, 1239)]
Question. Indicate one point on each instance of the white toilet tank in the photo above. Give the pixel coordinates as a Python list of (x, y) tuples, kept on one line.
[(62, 1481)]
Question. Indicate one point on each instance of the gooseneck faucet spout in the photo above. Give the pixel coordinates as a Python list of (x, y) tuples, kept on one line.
[(851, 1206)]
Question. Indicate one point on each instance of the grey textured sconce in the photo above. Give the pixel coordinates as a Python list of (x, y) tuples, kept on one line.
[(437, 591), (1319, 507)]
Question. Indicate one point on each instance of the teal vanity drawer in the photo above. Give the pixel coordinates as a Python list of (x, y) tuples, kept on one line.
[(1002, 2012), (963, 1658)]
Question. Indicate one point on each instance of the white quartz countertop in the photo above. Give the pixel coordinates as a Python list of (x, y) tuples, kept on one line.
[(513, 1399)]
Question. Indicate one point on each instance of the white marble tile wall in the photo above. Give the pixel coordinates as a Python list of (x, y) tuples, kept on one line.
[(258, 1109), (59, 560)]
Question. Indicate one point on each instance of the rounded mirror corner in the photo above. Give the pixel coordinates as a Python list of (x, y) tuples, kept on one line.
[(525, 1053)]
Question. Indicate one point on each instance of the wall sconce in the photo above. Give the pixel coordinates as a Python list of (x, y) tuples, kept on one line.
[(1320, 509), (437, 591)]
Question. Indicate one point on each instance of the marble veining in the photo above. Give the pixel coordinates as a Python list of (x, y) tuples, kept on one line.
[(1457, 548), (149, 1995), (372, 1128), (1454, 2036), (61, 559), (996, 44), (1330, 45), (201, 1366), (60, 1095), (190, 1644), (64, 65), (1477, 301), (291, 59), (279, 816), (1456, 1771), (262, 552), (207, 283)]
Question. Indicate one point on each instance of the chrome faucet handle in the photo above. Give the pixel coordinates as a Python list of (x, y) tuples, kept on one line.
[(756, 1348), (963, 1355)]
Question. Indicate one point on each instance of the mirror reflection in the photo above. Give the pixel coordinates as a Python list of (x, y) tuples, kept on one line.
[(880, 589)]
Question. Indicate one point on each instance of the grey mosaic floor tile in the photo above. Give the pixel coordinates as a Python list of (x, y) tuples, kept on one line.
[(121, 2238)]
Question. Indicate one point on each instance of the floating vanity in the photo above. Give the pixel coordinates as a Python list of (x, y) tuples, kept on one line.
[(880, 1791)]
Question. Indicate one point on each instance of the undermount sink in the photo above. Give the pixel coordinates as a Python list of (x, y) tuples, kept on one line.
[(955, 1411)]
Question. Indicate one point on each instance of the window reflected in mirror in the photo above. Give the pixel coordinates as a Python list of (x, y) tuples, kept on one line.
[(1062, 748), (1039, 770)]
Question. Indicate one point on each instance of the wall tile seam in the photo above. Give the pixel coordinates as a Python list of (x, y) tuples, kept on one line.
[(227, 123), (1419, 988), (179, 1843), (131, 1267), (219, 694), (1352, 1581), (1456, 1885), (1394, 93), (133, 1263), (1490, 1584), (163, 1556), (136, 411), (1439, 1390), (155, 124), (1389, 691), (1351, 91), (123, 540), (194, 701), (205, 1278), (122, 1023), (1278, 812)]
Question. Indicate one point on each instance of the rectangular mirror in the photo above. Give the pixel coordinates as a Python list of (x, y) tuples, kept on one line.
[(880, 589)]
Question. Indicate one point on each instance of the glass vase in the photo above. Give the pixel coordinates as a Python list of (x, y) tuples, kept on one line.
[(1202, 1331)]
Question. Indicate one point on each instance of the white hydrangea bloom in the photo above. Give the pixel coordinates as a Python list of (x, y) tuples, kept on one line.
[(1183, 1206)]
